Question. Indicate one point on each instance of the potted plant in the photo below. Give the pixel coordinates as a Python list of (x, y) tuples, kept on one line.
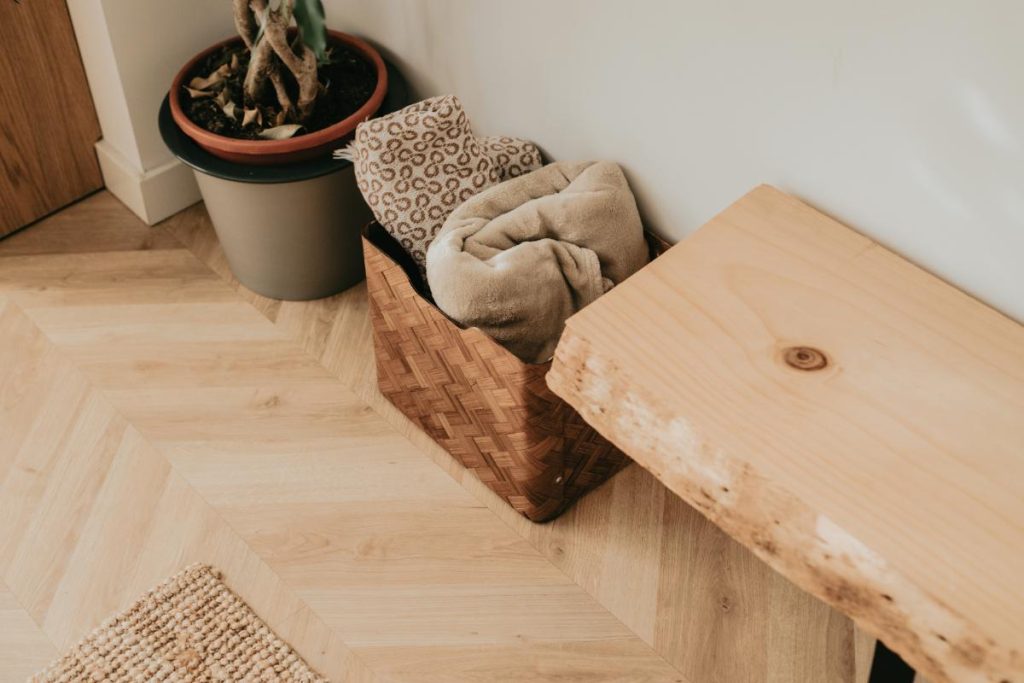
[(257, 116)]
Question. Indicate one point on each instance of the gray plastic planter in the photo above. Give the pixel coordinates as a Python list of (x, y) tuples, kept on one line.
[(289, 231), (295, 241)]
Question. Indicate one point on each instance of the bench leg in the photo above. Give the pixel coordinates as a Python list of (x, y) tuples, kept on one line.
[(887, 667)]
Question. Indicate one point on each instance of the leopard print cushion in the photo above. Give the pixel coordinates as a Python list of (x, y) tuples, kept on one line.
[(415, 166)]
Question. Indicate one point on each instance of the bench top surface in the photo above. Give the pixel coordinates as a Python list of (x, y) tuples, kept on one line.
[(855, 421)]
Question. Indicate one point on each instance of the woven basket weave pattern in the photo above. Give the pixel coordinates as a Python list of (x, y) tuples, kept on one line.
[(492, 412)]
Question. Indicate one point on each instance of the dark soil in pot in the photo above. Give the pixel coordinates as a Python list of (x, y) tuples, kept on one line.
[(348, 80)]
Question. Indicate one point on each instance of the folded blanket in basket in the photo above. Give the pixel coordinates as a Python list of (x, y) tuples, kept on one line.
[(519, 258), (416, 165)]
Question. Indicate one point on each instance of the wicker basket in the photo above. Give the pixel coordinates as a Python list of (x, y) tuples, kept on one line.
[(491, 411)]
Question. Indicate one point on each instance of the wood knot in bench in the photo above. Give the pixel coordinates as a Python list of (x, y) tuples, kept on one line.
[(804, 358)]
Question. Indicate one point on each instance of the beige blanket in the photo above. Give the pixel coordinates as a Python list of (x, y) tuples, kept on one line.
[(519, 258), (416, 165)]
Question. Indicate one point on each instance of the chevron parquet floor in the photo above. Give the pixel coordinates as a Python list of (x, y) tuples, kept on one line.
[(154, 414)]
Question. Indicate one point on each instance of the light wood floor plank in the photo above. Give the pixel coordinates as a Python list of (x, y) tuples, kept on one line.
[(105, 518), (96, 223), (626, 543), (315, 508), (523, 662), (24, 648)]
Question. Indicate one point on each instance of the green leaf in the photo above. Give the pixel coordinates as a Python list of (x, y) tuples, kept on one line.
[(309, 15)]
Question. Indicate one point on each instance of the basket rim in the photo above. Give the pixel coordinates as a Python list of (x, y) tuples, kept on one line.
[(657, 244), (365, 234)]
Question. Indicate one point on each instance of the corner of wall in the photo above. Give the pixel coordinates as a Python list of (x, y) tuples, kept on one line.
[(152, 195)]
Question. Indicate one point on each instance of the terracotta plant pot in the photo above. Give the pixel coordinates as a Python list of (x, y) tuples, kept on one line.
[(302, 147), (289, 231)]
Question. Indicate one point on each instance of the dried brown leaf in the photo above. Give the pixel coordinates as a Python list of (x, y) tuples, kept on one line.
[(216, 78), (249, 115), (229, 110), (198, 94), (281, 132)]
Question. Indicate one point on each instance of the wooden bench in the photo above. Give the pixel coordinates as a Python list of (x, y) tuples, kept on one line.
[(855, 421)]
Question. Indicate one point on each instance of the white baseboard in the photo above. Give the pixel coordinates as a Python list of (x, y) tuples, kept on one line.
[(152, 195)]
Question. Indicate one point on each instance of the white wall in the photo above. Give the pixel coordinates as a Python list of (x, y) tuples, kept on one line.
[(904, 119), (131, 50)]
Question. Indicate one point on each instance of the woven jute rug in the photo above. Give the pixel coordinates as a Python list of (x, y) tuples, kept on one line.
[(189, 628)]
